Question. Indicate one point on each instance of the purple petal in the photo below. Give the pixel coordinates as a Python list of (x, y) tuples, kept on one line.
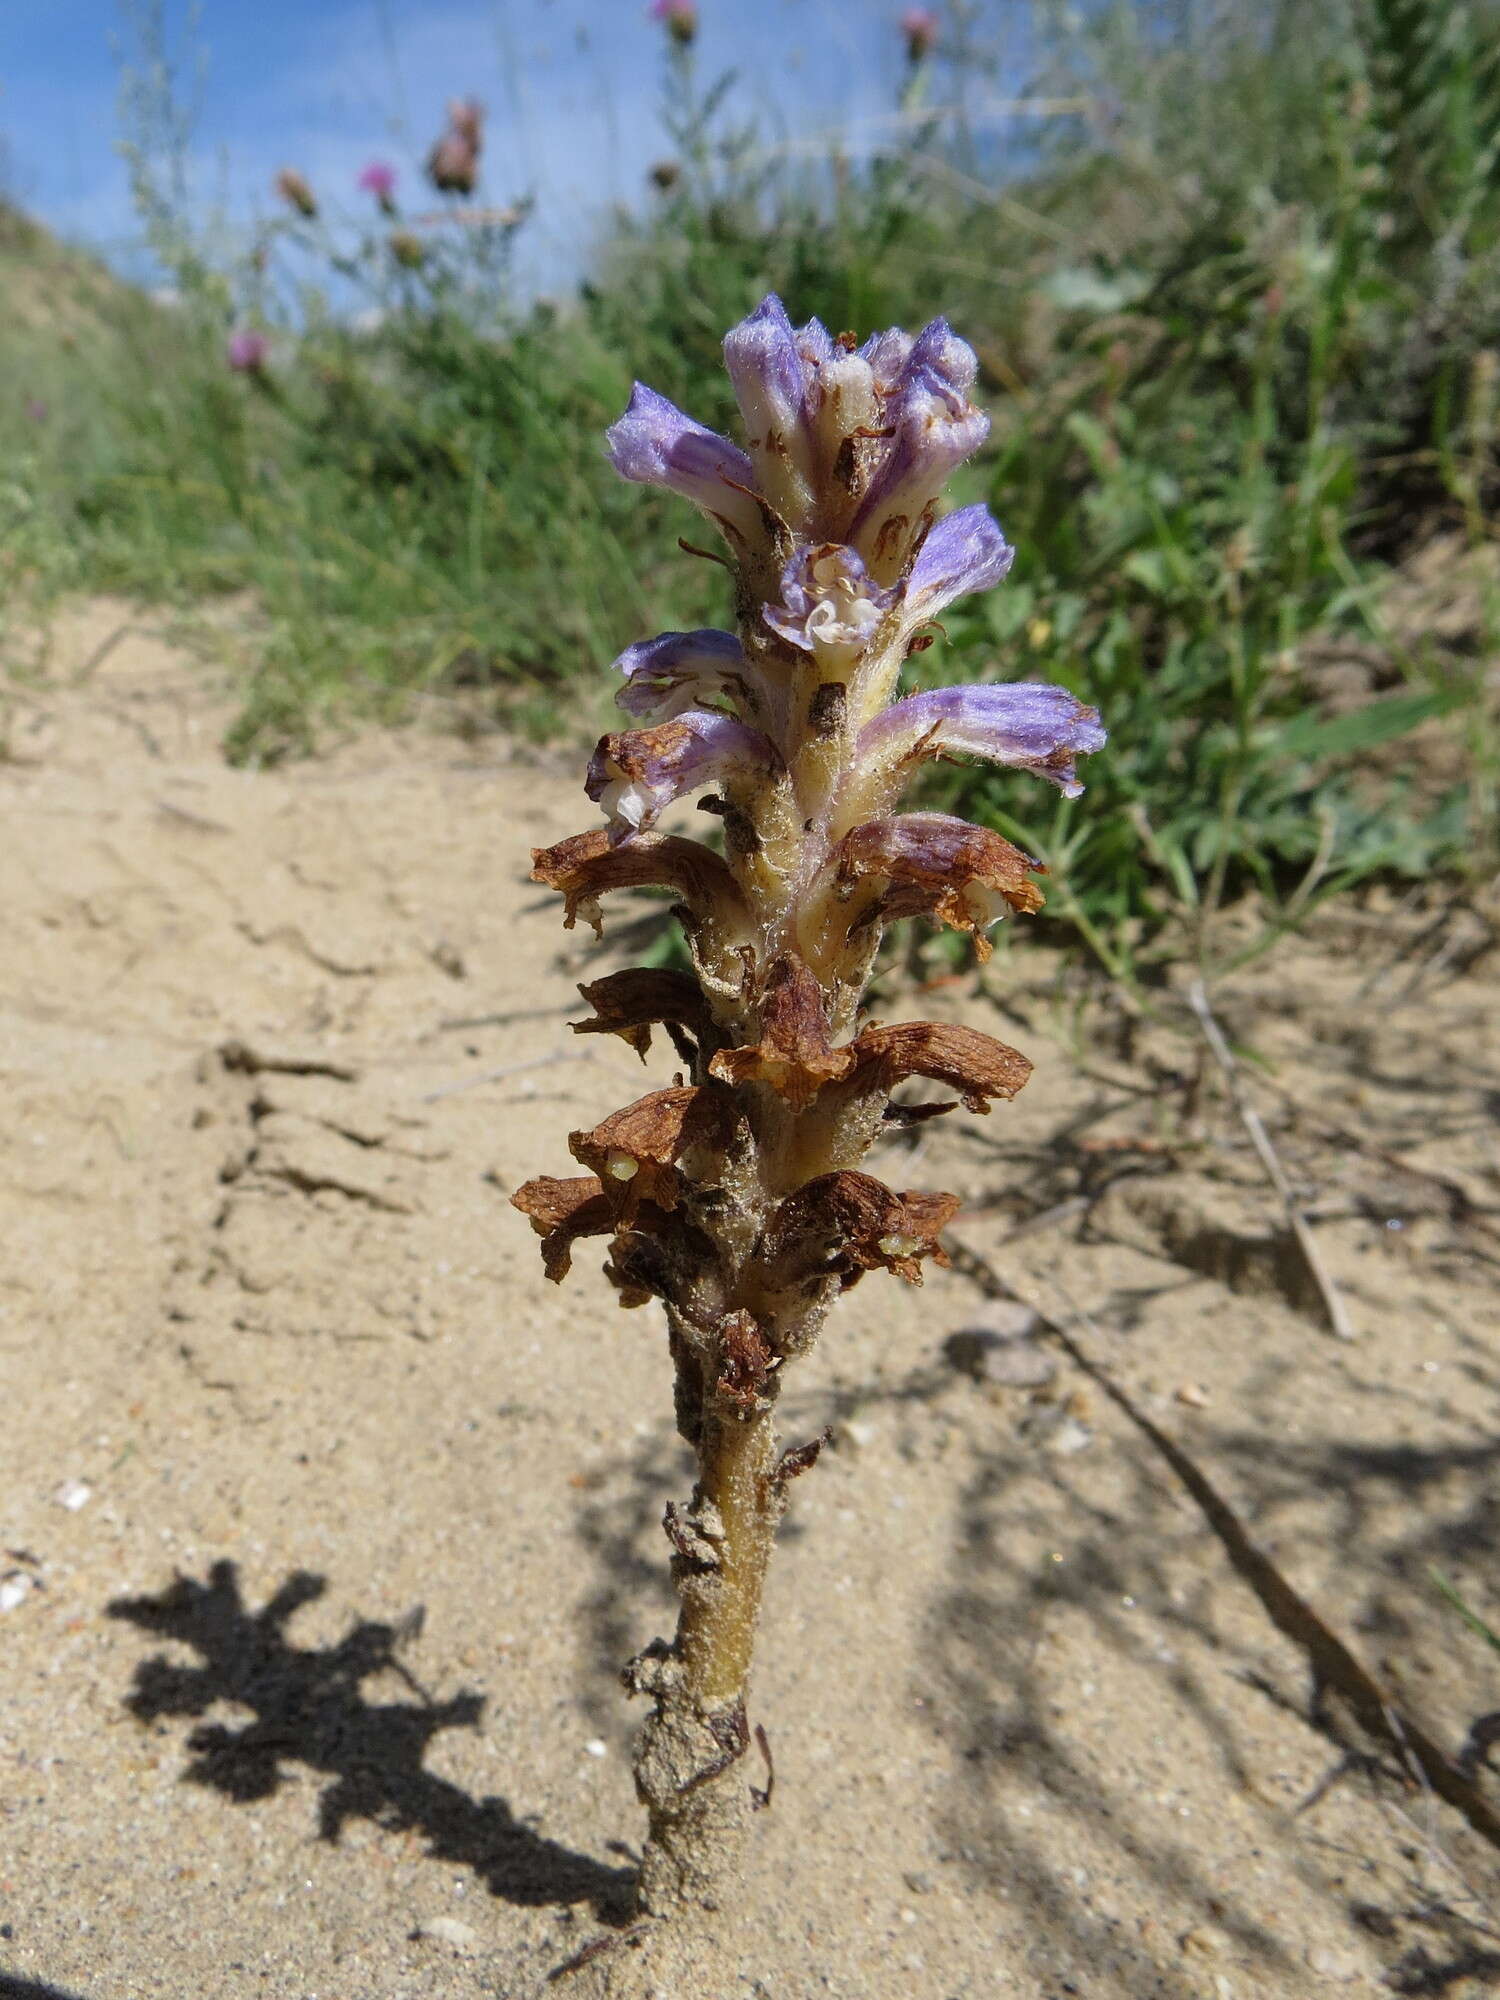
[(1026, 724), (766, 367), (771, 383), (634, 773), (938, 351), (815, 344), (965, 551), (829, 600), (887, 353), (654, 444), (678, 671), (935, 431)]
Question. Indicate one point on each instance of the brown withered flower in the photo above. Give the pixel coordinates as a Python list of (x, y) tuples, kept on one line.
[(453, 163), (735, 1195)]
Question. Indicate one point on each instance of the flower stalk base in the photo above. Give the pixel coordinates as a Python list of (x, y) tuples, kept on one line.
[(689, 1771)]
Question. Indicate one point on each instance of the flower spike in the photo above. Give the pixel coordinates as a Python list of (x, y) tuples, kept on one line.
[(734, 1193)]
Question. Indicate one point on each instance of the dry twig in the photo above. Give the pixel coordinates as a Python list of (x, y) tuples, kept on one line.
[(1333, 1664), (1333, 1305)]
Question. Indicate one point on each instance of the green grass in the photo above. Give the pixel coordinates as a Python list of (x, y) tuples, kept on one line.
[(1233, 336)]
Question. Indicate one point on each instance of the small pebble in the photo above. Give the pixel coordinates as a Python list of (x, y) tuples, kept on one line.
[(1339, 1967), (856, 1436), (919, 1882), (73, 1494), (596, 1747), (1193, 1394), (1070, 1436), (450, 1931), (1204, 1942), (15, 1588)]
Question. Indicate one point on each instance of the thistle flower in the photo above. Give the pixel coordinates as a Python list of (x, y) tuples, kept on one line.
[(678, 17), (735, 1196), (247, 351), (378, 178), (919, 26), (296, 193)]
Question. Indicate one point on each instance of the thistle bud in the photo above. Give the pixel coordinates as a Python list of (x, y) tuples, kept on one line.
[(296, 193), (453, 163), (919, 29), (678, 17)]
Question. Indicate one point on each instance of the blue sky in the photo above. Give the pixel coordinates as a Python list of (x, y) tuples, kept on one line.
[(572, 88)]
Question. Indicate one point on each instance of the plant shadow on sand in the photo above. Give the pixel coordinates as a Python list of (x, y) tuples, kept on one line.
[(1141, 1569), (309, 1709), (27, 1989)]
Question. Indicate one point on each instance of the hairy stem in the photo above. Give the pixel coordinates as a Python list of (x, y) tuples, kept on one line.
[(689, 1765)]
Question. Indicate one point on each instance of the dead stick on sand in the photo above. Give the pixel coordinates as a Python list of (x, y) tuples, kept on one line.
[(1333, 1305), (1332, 1663)]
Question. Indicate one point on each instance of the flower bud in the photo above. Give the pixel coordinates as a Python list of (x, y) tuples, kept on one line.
[(296, 193)]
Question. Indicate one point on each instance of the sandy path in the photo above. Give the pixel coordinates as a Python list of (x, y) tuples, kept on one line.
[(327, 1649)]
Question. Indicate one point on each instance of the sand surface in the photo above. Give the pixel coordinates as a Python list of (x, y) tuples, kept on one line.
[(326, 1523)]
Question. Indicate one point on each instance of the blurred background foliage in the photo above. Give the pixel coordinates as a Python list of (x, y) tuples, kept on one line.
[(1237, 305)]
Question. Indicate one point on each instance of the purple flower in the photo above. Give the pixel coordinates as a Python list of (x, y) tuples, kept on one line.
[(965, 551), (773, 380), (36, 410), (1025, 724), (247, 351), (635, 773), (654, 444), (379, 179), (679, 671), (935, 428), (829, 605)]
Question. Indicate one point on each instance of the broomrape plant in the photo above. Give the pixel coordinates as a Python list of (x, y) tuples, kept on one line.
[(735, 1196)]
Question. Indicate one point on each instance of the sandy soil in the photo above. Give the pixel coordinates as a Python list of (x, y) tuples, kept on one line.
[(327, 1523)]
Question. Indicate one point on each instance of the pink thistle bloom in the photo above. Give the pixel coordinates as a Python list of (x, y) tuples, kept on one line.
[(378, 179), (678, 17), (920, 27), (247, 351)]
